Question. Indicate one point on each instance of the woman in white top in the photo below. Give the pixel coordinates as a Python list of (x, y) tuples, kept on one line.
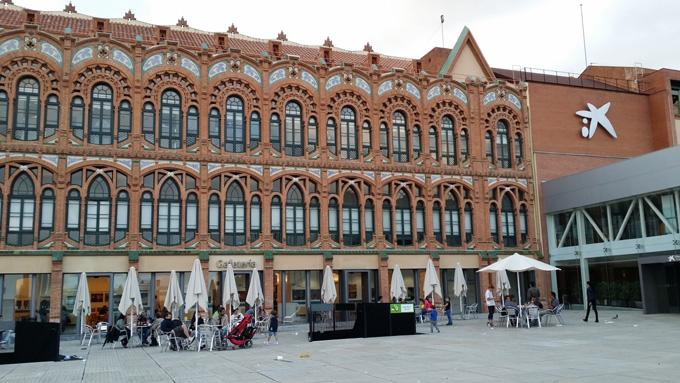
[(490, 304)]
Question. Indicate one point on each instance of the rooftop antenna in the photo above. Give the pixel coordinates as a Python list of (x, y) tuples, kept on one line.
[(583, 30), (442, 17)]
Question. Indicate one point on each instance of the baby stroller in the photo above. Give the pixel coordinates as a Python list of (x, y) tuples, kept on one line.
[(242, 334)]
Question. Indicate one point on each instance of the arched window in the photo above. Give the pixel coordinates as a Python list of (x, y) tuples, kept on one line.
[(330, 136), (100, 131), (27, 110), (234, 126), (124, 121), (399, 138), (295, 217), (46, 214), (214, 217), (452, 220), (73, 215), (518, 149), (416, 142), (51, 116), (402, 219), (171, 120), (488, 144), (254, 130), (192, 126), (275, 132), (146, 216), (493, 222), (255, 218), (314, 220), (98, 213), (508, 221), (436, 221), (366, 139), (312, 135), (368, 221), (214, 127), (351, 220), (434, 144), (169, 215), (293, 143), (21, 218), (149, 123), (464, 146), (387, 221), (333, 220), (78, 117), (523, 223), (4, 112), (469, 229), (503, 144), (448, 141), (276, 218), (348, 134), (192, 217), (235, 216), (420, 221), (122, 216), (384, 140)]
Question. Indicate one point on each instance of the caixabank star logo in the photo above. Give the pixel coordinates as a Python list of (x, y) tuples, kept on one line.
[(597, 116)]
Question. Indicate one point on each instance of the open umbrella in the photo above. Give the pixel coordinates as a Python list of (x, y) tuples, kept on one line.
[(197, 293), (230, 291), (255, 296), (459, 286), (431, 283), (502, 284), (131, 298), (82, 306), (397, 287), (173, 298), (328, 292), (517, 263)]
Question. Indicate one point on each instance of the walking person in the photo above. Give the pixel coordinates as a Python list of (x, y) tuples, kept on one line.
[(273, 328), (447, 310), (591, 302), (433, 320), (490, 304)]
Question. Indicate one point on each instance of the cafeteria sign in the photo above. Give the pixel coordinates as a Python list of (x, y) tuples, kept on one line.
[(249, 264), (399, 308)]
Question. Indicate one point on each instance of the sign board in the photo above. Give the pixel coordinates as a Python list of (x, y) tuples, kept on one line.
[(400, 308)]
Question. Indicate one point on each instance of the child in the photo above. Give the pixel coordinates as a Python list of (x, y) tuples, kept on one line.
[(273, 327), (433, 320)]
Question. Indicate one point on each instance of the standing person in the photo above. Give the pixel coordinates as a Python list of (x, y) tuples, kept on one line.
[(591, 302), (490, 304), (273, 328), (447, 310), (433, 320), (533, 291)]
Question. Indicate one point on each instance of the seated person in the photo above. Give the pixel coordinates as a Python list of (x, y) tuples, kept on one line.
[(532, 302), (261, 314), (181, 331), (552, 305), (236, 317), (142, 320), (120, 326), (166, 324), (510, 304), (249, 310), (155, 327), (192, 326), (222, 321)]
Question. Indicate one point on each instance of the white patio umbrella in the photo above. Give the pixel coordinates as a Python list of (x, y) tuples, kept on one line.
[(82, 307), (173, 297), (397, 287), (255, 295), (502, 284), (328, 292), (197, 293), (230, 291), (517, 263), (131, 297), (431, 283), (459, 286)]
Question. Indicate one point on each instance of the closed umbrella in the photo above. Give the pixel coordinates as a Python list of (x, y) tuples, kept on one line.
[(131, 297), (197, 293), (173, 298), (328, 292), (82, 306), (230, 291), (502, 284), (459, 286), (431, 283), (255, 296), (397, 287)]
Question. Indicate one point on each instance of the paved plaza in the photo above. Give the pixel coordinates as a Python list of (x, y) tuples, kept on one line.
[(632, 348)]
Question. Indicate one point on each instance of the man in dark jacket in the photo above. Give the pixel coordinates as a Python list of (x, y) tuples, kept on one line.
[(591, 302)]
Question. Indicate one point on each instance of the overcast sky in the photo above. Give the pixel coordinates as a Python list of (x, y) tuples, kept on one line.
[(542, 34)]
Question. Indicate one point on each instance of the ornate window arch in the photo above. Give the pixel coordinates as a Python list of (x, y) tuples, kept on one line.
[(124, 120), (214, 127), (452, 221), (519, 153), (51, 116), (384, 140), (503, 144), (235, 216), (448, 135), (366, 139), (192, 126), (21, 217), (434, 144), (255, 134), (98, 213), (27, 110), (331, 136), (295, 217), (169, 215), (234, 126), (312, 135), (170, 135), (351, 219), (149, 123), (400, 149), (77, 121), (100, 129), (4, 113), (417, 141), (275, 132), (235, 203), (452, 214), (348, 134), (293, 139)]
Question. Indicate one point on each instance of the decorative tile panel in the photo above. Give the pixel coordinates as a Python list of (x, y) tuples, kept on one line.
[(32, 155), (152, 62), (435, 178), (143, 164), (82, 54), (332, 82), (253, 73), (363, 85), (370, 175), (316, 172), (384, 87), (190, 65), (51, 51), (54, 160), (212, 167), (216, 69), (8, 46), (523, 182), (460, 95), (491, 181), (125, 162), (310, 79), (332, 173), (195, 166), (514, 101), (468, 180), (257, 169), (489, 98), (435, 91), (72, 160), (277, 75), (124, 59), (273, 170), (421, 177), (413, 90), (385, 175)]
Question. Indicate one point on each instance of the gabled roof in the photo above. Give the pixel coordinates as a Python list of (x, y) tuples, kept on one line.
[(466, 59)]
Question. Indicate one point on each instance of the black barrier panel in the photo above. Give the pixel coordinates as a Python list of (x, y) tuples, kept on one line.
[(36, 342), (359, 320)]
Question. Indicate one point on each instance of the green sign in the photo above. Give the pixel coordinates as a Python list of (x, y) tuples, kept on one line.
[(400, 308)]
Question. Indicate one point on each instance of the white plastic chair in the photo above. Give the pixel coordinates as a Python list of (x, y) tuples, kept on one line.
[(533, 313), (88, 331), (289, 318), (471, 310)]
